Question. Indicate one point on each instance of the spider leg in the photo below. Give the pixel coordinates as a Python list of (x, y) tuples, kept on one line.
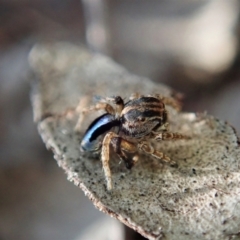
[(169, 136), (105, 158), (97, 107), (119, 145), (135, 96), (149, 149), (116, 100)]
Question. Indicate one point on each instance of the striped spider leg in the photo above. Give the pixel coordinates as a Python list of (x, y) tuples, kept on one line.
[(120, 146)]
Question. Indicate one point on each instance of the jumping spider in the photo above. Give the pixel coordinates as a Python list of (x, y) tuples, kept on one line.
[(128, 127)]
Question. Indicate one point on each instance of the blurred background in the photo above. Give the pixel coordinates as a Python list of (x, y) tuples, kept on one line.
[(192, 46)]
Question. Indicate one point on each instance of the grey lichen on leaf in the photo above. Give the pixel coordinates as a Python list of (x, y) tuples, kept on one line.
[(199, 199)]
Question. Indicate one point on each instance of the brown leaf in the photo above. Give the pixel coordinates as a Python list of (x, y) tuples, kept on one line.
[(197, 200)]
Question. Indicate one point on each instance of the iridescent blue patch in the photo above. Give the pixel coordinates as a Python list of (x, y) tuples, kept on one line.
[(92, 139)]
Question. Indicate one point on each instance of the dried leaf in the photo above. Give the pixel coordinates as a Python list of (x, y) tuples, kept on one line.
[(197, 200)]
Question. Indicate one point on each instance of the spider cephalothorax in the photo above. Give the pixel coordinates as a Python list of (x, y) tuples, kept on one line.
[(128, 127)]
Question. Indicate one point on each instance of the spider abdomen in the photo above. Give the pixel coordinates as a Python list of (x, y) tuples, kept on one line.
[(141, 116)]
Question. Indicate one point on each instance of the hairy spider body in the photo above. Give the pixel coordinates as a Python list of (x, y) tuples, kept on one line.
[(128, 128), (141, 116)]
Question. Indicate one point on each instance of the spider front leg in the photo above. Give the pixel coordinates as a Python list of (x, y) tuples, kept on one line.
[(116, 100), (149, 149), (82, 111), (119, 144), (135, 96)]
